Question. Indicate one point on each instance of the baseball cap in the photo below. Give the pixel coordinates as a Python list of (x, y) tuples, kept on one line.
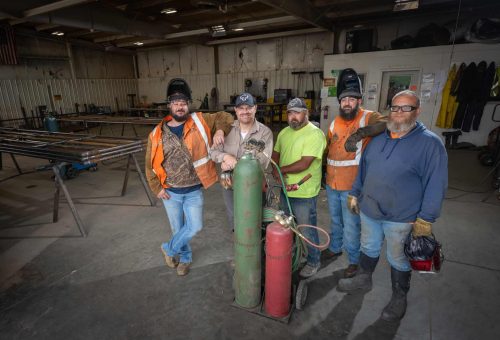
[(244, 99), (296, 104)]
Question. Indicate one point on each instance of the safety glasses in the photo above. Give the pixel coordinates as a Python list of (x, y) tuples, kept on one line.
[(404, 108)]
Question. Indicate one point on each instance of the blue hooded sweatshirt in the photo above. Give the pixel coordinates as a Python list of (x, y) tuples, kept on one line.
[(403, 178)]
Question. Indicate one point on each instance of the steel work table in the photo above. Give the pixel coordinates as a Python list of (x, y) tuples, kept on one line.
[(85, 120), (63, 148)]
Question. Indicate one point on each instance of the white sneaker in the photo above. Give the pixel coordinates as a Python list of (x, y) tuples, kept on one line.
[(309, 270)]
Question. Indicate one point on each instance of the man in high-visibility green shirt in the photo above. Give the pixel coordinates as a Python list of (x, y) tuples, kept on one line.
[(298, 152)]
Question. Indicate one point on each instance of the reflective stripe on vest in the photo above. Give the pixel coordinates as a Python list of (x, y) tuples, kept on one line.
[(200, 127), (359, 146)]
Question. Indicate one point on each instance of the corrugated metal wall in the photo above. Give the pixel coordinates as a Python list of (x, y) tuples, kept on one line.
[(34, 92), (274, 59)]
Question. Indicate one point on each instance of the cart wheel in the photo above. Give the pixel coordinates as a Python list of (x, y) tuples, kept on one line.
[(71, 172), (93, 168), (301, 295)]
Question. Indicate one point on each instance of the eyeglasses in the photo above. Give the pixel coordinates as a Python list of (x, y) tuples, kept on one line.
[(404, 108)]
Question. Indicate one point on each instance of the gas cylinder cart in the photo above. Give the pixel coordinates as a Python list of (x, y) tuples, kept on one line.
[(268, 245)]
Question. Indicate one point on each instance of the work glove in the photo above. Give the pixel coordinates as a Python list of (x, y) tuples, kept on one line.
[(226, 179), (421, 228), (367, 131), (352, 204)]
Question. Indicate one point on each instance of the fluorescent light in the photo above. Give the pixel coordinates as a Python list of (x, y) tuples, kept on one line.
[(237, 29), (218, 28), (138, 43), (59, 33), (169, 11)]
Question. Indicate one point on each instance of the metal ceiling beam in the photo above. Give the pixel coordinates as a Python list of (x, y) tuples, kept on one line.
[(303, 10), (145, 42), (266, 36), (186, 33), (74, 42), (96, 17), (147, 3), (373, 10), (54, 6), (44, 27), (112, 37)]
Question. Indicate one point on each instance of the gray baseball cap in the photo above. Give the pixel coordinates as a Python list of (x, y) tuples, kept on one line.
[(297, 105)]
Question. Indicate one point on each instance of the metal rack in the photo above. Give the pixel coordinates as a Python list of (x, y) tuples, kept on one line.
[(100, 120), (62, 148)]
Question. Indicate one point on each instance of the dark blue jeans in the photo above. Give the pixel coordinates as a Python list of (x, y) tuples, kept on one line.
[(304, 210)]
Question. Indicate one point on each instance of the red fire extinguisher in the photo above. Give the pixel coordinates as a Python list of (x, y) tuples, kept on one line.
[(325, 111), (278, 287)]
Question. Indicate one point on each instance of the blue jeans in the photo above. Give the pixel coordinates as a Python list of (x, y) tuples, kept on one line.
[(345, 227), (185, 213), (372, 238), (304, 210)]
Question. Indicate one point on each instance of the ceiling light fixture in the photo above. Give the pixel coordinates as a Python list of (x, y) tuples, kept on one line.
[(405, 5), (138, 43), (218, 31), (237, 29), (59, 33), (169, 11)]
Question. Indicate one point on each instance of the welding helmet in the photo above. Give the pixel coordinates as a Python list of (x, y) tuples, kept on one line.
[(349, 84), (178, 89), (424, 253)]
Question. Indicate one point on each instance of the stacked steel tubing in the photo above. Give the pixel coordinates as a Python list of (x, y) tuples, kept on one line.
[(67, 147), (110, 119)]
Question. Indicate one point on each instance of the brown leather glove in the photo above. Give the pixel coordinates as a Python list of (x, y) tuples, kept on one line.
[(421, 228), (352, 204), (367, 131)]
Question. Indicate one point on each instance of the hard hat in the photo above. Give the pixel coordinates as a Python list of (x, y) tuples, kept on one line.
[(424, 253), (177, 89), (349, 84)]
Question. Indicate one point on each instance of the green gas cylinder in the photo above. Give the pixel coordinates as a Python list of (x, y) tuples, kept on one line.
[(247, 186)]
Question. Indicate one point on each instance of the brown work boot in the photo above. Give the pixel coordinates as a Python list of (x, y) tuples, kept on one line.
[(169, 260), (183, 268), (328, 255), (351, 270)]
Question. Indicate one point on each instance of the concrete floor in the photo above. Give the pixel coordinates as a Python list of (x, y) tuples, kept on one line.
[(114, 283)]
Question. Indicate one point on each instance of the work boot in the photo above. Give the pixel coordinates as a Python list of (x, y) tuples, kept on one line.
[(169, 260), (396, 308), (183, 268), (363, 278), (309, 270), (351, 270), (328, 255)]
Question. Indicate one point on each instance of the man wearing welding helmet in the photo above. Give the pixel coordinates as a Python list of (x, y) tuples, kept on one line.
[(298, 151), (399, 188), (348, 136), (178, 166)]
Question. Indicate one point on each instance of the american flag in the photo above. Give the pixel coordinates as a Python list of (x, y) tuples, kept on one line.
[(8, 53)]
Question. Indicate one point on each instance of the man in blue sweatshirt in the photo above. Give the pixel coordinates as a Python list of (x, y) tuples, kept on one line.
[(399, 188)]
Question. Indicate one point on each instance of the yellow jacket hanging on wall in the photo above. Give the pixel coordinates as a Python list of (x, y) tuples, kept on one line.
[(447, 101)]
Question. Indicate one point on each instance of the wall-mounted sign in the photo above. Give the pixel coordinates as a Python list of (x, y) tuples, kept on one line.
[(330, 82)]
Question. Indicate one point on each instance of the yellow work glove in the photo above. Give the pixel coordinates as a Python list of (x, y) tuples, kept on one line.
[(352, 204), (421, 228)]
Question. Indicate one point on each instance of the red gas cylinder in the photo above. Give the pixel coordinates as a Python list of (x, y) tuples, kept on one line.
[(278, 287)]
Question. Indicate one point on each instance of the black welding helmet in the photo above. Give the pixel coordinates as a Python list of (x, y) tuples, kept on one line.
[(178, 89), (349, 84), (424, 253)]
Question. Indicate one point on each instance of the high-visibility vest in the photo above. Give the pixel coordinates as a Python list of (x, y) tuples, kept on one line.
[(197, 138), (342, 166)]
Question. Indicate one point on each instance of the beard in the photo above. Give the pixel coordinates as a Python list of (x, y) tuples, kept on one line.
[(405, 126), (179, 118), (349, 113), (297, 125)]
